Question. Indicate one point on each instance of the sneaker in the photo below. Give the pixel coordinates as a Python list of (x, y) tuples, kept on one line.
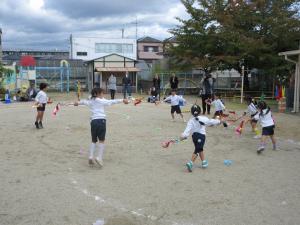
[(36, 125), (41, 125), (91, 162), (260, 149), (99, 162), (189, 166), (204, 164), (257, 137)]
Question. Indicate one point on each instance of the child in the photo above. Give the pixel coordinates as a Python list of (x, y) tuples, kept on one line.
[(175, 100), (218, 104), (41, 101), (264, 116), (153, 95), (196, 127), (252, 111), (98, 122)]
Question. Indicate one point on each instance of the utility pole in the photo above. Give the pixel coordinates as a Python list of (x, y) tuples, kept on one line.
[(122, 32)]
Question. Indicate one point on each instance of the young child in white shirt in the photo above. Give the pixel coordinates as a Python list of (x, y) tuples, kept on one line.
[(218, 104), (175, 107), (266, 120), (98, 121), (252, 111), (41, 101), (197, 127)]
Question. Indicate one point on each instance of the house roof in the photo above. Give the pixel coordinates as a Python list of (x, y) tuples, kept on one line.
[(148, 39), (110, 55), (172, 39)]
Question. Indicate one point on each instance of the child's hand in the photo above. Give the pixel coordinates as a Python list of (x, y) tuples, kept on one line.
[(182, 138), (125, 101)]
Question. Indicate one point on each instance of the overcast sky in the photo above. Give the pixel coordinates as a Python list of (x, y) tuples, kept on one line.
[(48, 24)]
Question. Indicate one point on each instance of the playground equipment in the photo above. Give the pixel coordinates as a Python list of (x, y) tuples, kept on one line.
[(64, 71)]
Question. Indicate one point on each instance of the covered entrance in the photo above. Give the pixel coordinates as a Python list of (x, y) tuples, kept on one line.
[(101, 68)]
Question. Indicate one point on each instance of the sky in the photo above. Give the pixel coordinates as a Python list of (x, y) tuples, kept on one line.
[(47, 24)]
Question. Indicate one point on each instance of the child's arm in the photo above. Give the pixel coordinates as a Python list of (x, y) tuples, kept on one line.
[(167, 99), (212, 122), (107, 102), (81, 102), (37, 100), (222, 105), (187, 131)]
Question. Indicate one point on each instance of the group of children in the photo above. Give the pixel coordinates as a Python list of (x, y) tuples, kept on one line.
[(196, 125)]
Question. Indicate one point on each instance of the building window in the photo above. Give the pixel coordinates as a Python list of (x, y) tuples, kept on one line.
[(150, 48), (81, 53), (113, 48)]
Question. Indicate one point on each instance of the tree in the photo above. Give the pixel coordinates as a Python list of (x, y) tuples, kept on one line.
[(221, 34)]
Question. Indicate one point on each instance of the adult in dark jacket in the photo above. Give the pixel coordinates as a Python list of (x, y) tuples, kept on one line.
[(156, 84), (126, 85), (174, 82), (207, 91)]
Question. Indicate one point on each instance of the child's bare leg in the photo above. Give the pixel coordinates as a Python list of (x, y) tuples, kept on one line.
[(201, 154), (41, 116), (253, 125), (194, 157), (173, 117)]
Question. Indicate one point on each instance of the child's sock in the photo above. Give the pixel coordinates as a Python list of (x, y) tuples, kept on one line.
[(101, 150), (92, 150), (257, 132)]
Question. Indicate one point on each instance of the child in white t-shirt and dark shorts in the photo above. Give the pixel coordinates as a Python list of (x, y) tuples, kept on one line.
[(98, 121), (41, 100)]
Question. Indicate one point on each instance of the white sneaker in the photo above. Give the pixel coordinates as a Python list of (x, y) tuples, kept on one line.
[(260, 149), (257, 137), (99, 162)]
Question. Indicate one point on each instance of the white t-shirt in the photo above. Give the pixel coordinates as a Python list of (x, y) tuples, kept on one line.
[(218, 105), (266, 119), (174, 99), (97, 106), (195, 126), (252, 109), (41, 97)]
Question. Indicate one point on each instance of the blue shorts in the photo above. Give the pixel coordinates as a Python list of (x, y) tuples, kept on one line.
[(268, 131), (199, 141)]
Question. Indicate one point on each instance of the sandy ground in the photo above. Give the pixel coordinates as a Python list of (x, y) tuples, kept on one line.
[(45, 179)]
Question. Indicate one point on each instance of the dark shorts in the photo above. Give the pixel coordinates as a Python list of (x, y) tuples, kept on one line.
[(98, 130), (175, 108), (41, 108), (199, 141), (218, 113), (267, 131)]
